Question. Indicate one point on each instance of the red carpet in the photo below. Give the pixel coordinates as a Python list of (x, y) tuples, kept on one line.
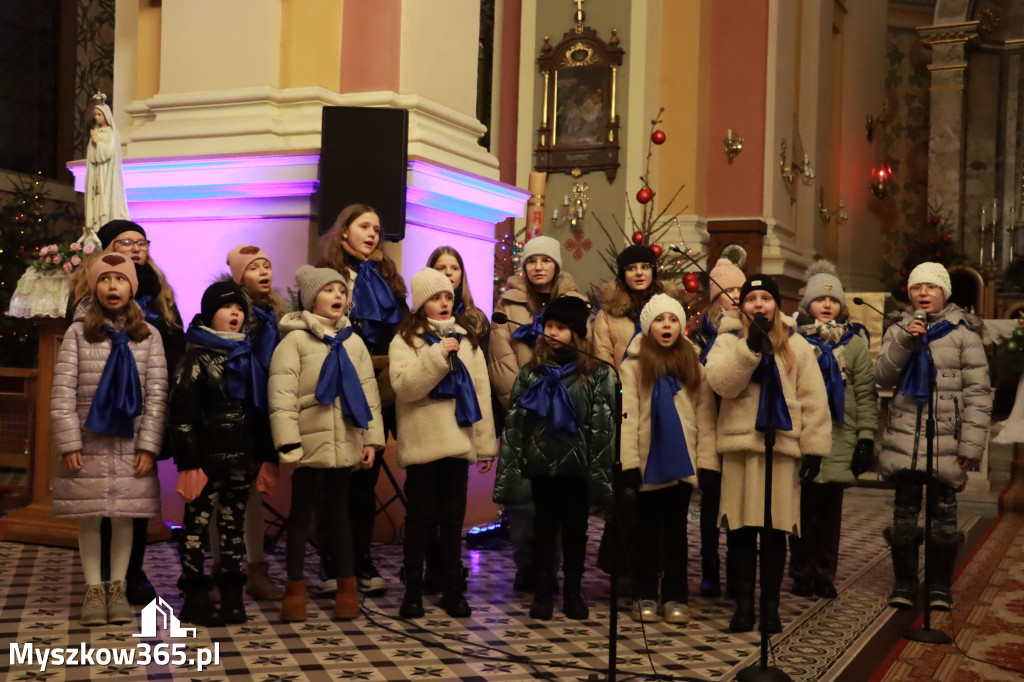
[(987, 622)]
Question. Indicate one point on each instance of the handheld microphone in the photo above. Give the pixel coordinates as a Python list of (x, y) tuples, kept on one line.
[(453, 355), (921, 316)]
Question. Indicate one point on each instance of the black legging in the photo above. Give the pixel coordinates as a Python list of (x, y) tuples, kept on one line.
[(334, 485), (436, 496), (561, 504)]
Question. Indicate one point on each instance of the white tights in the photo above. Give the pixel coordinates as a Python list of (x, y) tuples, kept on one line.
[(90, 550), (253, 528)]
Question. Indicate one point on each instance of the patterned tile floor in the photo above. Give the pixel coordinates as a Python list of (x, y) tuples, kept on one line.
[(40, 592)]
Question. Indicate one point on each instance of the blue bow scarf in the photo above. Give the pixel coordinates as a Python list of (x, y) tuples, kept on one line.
[(920, 370), (668, 459), (339, 379), (528, 333), (830, 372), (145, 302), (373, 303), (548, 397), (771, 399), (265, 336), (460, 307), (244, 378), (118, 398), (711, 333), (457, 385)]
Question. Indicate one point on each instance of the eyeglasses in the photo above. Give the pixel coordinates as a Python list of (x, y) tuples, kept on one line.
[(128, 243), (931, 289)]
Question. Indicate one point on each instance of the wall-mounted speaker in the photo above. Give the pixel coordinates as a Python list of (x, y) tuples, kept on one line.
[(363, 160)]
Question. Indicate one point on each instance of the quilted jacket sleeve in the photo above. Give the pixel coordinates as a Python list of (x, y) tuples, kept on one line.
[(364, 367), (186, 412), (64, 423), (509, 485), (283, 394), (897, 346), (601, 435), (977, 392), (154, 391)]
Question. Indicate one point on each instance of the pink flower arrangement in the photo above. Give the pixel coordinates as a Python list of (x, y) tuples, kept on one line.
[(68, 268), (75, 260), (89, 248), (62, 257)]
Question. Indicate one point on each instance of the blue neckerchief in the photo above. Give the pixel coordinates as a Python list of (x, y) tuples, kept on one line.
[(668, 459), (339, 380), (145, 302), (457, 385), (528, 333), (460, 308), (244, 379), (830, 372), (636, 332), (118, 398), (767, 374), (265, 336), (712, 335), (548, 397), (373, 303), (920, 370)]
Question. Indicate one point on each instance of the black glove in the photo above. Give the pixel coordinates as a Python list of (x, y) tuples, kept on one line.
[(756, 332), (630, 480), (709, 480), (863, 456), (288, 447), (810, 466)]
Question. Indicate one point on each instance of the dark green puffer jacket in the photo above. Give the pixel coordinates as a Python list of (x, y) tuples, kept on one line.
[(528, 449)]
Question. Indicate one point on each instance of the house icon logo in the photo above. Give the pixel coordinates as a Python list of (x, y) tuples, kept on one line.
[(158, 611)]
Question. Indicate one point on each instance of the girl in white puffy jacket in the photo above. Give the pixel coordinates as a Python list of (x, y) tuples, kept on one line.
[(443, 408), (326, 420)]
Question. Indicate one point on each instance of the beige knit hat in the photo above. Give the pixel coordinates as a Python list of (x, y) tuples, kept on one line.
[(240, 257), (311, 280), (543, 246), (660, 303), (426, 283), (725, 275), (931, 273), (113, 262)]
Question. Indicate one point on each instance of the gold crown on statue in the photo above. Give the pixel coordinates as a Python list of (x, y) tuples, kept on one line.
[(99, 98)]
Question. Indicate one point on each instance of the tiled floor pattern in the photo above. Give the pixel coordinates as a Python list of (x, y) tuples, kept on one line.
[(40, 592)]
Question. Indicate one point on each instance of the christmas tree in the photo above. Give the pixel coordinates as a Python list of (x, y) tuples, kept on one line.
[(28, 220)]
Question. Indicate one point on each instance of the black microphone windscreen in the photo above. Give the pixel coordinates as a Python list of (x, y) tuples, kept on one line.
[(499, 318), (858, 300)]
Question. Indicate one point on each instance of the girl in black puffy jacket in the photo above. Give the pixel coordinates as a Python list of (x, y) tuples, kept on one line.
[(218, 423)]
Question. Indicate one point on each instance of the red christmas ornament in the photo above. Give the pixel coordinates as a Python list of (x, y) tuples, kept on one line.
[(691, 282), (656, 248), (934, 221), (932, 240), (658, 137), (638, 237), (954, 254), (644, 195), (938, 255)]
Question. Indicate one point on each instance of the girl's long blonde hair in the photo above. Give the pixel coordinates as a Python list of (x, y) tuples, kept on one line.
[(779, 334), (78, 286), (97, 318)]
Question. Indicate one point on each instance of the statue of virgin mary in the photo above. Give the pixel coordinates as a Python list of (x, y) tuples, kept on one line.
[(104, 185)]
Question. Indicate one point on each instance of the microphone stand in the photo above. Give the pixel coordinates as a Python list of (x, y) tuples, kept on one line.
[(925, 634), (612, 519)]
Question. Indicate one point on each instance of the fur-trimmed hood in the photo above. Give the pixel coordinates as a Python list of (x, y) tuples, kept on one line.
[(613, 300)]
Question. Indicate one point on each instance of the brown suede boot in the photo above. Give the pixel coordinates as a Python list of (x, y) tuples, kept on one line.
[(261, 585), (293, 608), (346, 601)]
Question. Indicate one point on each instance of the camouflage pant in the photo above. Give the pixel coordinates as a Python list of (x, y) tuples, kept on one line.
[(907, 508), (231, 494)]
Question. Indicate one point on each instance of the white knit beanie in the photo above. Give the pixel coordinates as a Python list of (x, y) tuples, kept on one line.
[(822, 281), (311, 280), (426, 283), (660, 303), (543, 246), (931, 273)]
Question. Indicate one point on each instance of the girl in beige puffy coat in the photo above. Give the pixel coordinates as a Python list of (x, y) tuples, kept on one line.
[(443, 406), (668, 434), (107, 410), (326, 420), (736, 371)]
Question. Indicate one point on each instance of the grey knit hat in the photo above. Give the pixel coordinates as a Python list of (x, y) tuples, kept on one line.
[(822, 281), (543, 246), (311, 280)]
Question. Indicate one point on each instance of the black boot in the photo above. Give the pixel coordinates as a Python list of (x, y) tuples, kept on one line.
[(742, 565), (198, 609), (412, 601), (905, 556), (543, 606), (232, 605), (710, 567), (452, 600), (941, 560), (574, 604), (773, 565)]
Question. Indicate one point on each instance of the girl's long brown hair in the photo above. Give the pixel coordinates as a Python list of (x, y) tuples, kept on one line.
[(533, 301), (467, 298), (585, 365), (97, 318), (679, 360), (415, 324), (779, 334), (332, 249)]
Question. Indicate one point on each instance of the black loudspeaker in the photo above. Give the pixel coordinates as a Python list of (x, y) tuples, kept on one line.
[(363, 160)]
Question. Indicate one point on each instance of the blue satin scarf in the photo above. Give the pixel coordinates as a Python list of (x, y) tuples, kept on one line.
[(771, 399), (118, 398), (339, 379), (712, 335), (460, 307), (457, 385), (244, 378), (668, 459), (266, 335), (636, 332), (145, 302), (920, 370), (373, 303), (528, 333), (548, 397), (830, 372)]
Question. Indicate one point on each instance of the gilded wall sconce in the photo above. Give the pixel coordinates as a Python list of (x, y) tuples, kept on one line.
[(733, 145), (791, 170), (827, 215), (881, 178)]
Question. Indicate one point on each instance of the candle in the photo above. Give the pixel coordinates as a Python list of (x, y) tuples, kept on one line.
[(983, 223), (728, 134)]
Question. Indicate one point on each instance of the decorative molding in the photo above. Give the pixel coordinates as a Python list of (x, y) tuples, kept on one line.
[(948, 33)]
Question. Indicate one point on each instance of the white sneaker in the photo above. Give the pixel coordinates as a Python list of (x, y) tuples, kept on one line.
[(676, 612), (645, 610)]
